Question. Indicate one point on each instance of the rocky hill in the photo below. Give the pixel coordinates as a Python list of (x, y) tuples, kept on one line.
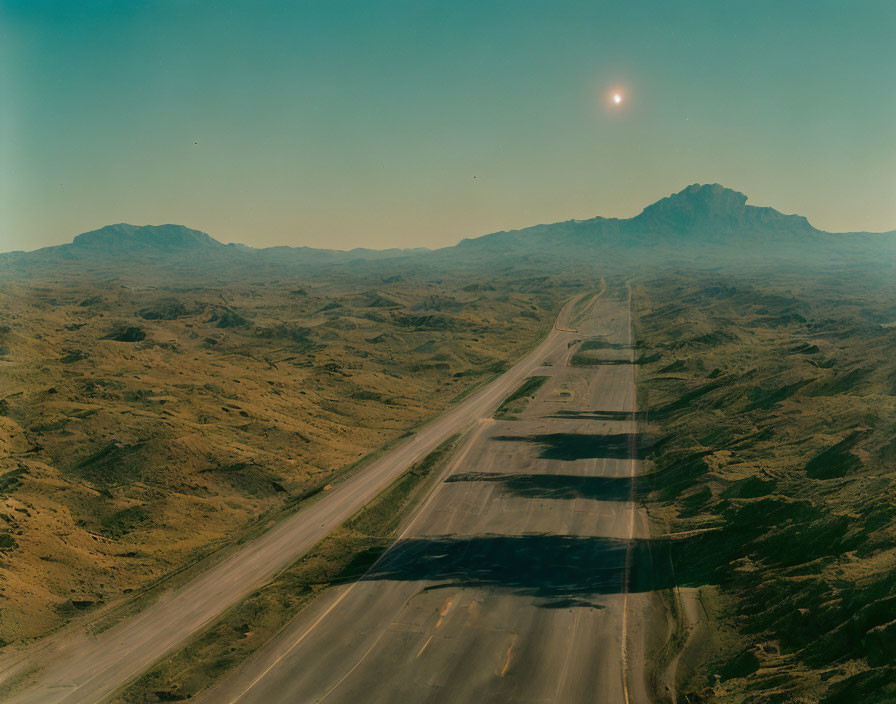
[(714, 211), (702, 226), (129, 239)]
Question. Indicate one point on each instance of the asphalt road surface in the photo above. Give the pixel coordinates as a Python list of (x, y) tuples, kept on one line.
[(513, 582), (81, 669)]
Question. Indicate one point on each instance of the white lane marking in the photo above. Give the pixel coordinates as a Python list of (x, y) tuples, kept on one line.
[(569, 653), (631, 528), (291, 647)]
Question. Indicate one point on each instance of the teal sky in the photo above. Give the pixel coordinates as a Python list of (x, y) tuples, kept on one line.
[(344, 124)]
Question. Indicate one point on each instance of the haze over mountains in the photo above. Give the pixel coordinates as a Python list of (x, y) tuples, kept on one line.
[(702, 225), (166, 395)]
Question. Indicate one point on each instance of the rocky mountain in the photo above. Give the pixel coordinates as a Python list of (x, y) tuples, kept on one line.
[(715, 211), (699, 213), (702, 225), (127, 239), (174, 251)]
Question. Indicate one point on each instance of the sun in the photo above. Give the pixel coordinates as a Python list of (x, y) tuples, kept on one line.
[(615, 97)]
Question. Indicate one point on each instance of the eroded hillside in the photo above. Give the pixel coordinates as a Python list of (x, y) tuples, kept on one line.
[(773, 407)]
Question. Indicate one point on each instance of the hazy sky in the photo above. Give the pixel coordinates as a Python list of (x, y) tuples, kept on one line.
[(343, 124)]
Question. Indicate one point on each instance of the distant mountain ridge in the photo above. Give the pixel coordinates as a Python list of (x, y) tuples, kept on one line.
[(717, 207), (124, 237), (701, 224), (699, 214)]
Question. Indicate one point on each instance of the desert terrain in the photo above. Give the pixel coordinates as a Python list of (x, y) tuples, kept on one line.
[(256, 445), (143, 428), (771, 404)]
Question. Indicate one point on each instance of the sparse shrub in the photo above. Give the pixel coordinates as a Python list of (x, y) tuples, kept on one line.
[(286, 331), (164, 310), (73, 356), (124, 521), (226, 318), (127, 334), (7, 542)]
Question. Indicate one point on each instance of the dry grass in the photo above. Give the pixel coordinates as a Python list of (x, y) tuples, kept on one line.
[(142, 428)]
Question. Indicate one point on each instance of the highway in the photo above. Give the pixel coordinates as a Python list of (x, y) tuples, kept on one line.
[(82, 669), (512, 581)]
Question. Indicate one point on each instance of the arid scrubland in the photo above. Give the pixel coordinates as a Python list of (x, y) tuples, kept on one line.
[(772, 408), (142, 428), (152, 417)]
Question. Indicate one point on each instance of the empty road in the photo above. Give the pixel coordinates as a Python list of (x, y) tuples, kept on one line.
[(512, 582)]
